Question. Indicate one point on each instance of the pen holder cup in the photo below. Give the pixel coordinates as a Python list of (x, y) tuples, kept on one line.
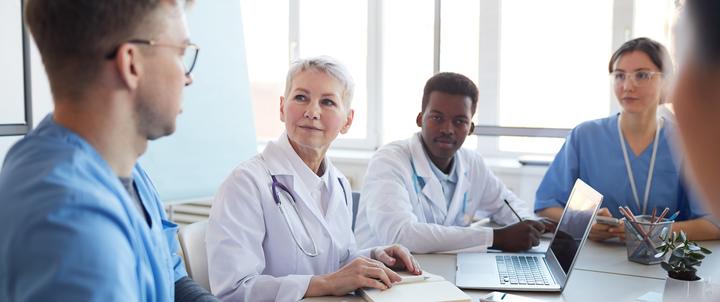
[(643, 237)]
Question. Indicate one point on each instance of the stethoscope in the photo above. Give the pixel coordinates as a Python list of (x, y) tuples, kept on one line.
[(418, 184), (650, 170), (277, 189)]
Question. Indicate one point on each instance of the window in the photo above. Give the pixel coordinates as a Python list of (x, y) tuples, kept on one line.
[(277, 32), (654, 19), (338, 29), (407, 49), (537, 64), (552, 70), (266, 44)]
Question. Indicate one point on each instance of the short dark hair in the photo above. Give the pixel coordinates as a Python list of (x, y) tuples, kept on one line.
[(657, 52), (451, 83), (705, 25), (74, 36)]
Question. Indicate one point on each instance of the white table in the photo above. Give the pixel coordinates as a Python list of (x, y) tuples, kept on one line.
[(602, 273), (612, 258)]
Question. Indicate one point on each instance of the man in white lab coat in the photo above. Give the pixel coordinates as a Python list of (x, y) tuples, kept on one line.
[(424, 192)]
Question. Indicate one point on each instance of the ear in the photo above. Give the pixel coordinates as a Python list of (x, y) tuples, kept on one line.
[(348, 122), (418, 119), (282, 109), (472, 128), (128, 64)]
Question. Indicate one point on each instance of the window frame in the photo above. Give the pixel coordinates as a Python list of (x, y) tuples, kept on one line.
[(488, 74), (373, 66)]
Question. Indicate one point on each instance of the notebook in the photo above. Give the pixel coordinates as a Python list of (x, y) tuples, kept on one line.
[(430, 288), (531, 271)]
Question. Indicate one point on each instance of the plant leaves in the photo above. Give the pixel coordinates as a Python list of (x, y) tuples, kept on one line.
[(664, 233), (704, 250), (667, 267)]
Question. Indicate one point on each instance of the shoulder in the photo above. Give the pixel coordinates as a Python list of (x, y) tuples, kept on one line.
[(393, 156), (595, 126), (39, 172), (472, 158), (59, 203), (246, 177), (250, 168), (591, 131), (397, 148)]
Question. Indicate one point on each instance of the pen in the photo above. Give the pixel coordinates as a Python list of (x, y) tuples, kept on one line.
[(674, 215), (662, 215), (513, 210)]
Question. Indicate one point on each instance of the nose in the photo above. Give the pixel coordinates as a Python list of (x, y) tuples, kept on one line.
[(312, 111), (188, 80), (447, 128), (628, 84)]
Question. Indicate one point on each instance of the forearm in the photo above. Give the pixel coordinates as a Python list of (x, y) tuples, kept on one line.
[(187, 290), (430, 238), (317, 287), (698, 229)]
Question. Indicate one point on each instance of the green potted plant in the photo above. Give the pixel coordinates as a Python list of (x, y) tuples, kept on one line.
[(685, 255)]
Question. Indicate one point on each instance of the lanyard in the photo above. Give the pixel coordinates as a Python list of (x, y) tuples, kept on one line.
[(418, 187), (650, 170)]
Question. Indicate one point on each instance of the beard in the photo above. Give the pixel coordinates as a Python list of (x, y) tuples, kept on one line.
[(152, 123)]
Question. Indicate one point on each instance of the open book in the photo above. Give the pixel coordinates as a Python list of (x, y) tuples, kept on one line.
[(427, 287)]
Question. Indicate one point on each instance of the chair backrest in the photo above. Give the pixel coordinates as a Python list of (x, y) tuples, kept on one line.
[(356, 201), (192, 242)]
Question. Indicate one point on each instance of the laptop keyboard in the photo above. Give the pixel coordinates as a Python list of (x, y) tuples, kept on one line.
[(521, 270)]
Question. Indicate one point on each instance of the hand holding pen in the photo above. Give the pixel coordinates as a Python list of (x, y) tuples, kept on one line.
[(548, 225), (520, 236)]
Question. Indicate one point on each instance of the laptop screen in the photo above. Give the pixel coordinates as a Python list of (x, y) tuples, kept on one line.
[(574, 224)]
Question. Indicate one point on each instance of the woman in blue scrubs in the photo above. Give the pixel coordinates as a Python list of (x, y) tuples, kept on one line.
[(627, 156)]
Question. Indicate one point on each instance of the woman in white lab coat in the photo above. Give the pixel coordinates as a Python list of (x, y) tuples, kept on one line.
[(280, 224)]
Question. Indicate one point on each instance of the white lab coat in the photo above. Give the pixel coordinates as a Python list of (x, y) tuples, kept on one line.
[(400, 206), (251, 253)]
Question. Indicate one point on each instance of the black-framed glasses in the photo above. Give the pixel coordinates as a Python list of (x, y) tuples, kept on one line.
[(190, 52)]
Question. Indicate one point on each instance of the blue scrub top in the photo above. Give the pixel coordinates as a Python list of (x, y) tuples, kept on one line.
[(69, 230), (592, 152)]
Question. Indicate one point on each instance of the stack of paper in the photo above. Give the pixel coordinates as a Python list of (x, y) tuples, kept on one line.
[(429, 287)]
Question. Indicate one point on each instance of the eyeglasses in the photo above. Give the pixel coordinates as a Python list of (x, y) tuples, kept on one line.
[(190, 52), (637, 78)]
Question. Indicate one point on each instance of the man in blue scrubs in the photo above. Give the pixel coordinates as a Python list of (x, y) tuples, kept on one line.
[(80, 219)]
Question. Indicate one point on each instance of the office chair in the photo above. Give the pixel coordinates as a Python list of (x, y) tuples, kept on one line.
[(192, 242)]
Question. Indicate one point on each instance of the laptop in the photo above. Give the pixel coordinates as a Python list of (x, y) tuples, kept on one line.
[(535, 271)]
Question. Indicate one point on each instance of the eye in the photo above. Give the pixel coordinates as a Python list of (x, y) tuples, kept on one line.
[(300, 98), (436, 118), (327, 102), (619, 76), (460, 122), (642, 75)]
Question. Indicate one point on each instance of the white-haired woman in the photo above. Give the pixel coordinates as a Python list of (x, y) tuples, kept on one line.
[(280, 224)]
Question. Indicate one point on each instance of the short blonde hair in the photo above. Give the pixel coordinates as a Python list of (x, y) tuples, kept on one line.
[(327, 65)]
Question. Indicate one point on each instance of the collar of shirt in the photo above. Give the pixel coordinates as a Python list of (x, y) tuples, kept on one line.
[(307, 176), (441, 176), (316, 185)]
